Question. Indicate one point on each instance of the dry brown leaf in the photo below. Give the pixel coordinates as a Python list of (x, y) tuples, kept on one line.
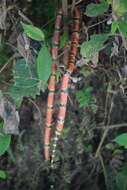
[(10, 116)]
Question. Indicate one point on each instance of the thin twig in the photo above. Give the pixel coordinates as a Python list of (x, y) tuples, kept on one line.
[(107, 115), (78, 2), (113, 126), (65, 50), (1, 70), (101, 142), (36, 106), (3, 67), (103, 167), (105, 134), (97, 23), (106, 104)]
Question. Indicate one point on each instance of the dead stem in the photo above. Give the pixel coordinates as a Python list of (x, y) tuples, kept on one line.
[(107, 115), (113, 126)]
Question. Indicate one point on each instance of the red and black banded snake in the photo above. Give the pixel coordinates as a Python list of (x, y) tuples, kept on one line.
[(64, 83)]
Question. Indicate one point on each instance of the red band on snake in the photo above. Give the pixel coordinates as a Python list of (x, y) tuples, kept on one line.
[(65, 81), (51, 85)]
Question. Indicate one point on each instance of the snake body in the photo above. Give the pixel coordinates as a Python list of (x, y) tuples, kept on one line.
[(51, 85), (64, 85)]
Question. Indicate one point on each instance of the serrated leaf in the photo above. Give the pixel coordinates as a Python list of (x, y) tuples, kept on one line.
[(94, 45), (25, 82), (84, 96), (33, 32), (44, 65), (5, 141), (2, 174), (114, 27), (121, 139), (96, 9)]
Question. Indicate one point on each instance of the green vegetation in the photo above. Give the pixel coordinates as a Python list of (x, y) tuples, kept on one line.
[(92, 151), (84, 97), (5, 141)]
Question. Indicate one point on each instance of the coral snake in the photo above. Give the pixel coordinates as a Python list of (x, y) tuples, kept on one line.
[(64, 84)]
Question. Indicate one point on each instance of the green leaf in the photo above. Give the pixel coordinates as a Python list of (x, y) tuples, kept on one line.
[(117, 152), (110, 146), (109, 1), (121, 139), (5, 141), (96, 9), (89, 148), (2, 174), (33, 32), (1, 127), (63, 40), (123, 27), (94, 45), (119, 7), (44, 65), (121, 179), (58, 76), (25, 82), (108, 49), (84, 97), (114, 27)]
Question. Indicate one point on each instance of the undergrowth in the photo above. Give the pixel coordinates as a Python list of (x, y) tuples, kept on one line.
[(92, 151)]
